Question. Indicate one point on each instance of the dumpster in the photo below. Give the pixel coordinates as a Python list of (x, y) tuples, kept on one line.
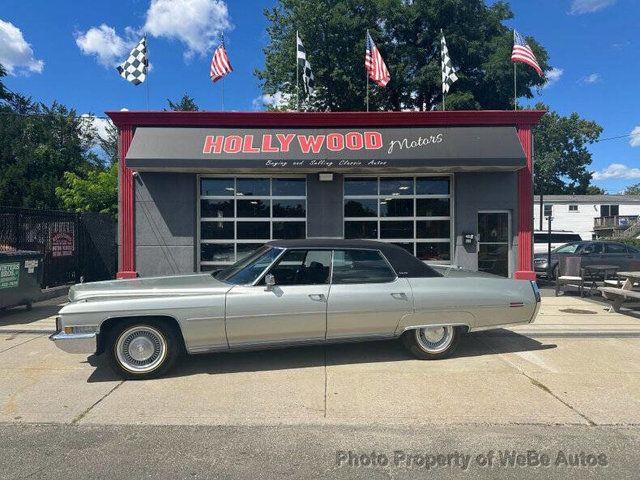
[(20, 277)]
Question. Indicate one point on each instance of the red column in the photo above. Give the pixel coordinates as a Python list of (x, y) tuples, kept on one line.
[(126, 257), (525, 209)]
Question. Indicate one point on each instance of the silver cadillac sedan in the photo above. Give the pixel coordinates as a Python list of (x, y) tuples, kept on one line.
[(294, 292)]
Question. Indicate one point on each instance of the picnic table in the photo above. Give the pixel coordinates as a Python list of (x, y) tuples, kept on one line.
[(626, 292), (593, 271)]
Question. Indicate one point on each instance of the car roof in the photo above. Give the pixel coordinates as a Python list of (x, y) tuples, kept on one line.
[(403, 262)]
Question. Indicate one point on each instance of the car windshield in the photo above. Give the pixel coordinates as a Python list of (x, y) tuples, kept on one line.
[(568, 248), (248, 269)]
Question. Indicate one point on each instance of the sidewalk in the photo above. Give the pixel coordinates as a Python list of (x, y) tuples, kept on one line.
[(40, 319)]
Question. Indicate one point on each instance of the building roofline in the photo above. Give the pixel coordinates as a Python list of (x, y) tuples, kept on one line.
[(604, 199), (519, 118)]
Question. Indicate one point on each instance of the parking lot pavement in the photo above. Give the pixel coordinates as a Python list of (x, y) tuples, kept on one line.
[(577, 365)]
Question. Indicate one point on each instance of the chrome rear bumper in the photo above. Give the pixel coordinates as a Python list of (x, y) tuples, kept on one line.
[(76, 342)]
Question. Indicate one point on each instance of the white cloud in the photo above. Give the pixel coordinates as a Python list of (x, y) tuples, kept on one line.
[(109, 48), (634, 141), (16, 55), (592, 78), (616, 170), (100, 124), (277, 100), (196, 23), (579, 7), (552, 76)]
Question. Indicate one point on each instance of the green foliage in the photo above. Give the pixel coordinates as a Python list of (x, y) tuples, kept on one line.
[(185, 104), (561, 155), (632, 189), (95, 191), (109, 143), (594, 190), (408, 36)]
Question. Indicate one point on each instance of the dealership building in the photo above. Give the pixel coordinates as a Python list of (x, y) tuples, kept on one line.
[(198, 190)]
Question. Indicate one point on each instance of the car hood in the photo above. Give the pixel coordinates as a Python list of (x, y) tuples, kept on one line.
[(151, 286)]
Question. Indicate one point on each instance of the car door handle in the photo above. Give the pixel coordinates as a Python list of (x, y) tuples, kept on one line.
[(317, 297), (399, 296)]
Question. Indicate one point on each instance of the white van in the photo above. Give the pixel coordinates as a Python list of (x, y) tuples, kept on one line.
[(558, 238)]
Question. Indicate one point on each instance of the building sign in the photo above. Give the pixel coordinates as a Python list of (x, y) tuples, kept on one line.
[(9, 274), (324, 148), (62, 244)]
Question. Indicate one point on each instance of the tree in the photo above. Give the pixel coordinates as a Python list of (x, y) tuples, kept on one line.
[(632, 189), (185, 104), (408, 36), (561, 155), (96, 191), (109, 143)]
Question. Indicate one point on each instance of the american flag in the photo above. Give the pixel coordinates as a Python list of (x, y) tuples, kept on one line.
[(220, 65), (522, 53), (374, 63)]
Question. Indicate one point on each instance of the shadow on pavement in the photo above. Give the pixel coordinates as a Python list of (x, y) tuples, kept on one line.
[(23, 316), (472, 345)]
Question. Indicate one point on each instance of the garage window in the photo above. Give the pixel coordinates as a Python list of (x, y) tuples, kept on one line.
[(413, 212), (240, 214)]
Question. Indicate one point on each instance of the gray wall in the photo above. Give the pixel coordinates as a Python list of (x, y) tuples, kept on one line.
[(324, 207), (483, 191), (165, 223)]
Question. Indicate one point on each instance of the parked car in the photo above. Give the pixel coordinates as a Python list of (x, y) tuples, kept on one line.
[(558, 238), (288, 293), (623, 256)]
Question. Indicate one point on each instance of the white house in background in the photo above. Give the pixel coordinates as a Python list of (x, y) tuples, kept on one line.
[(588, 215)]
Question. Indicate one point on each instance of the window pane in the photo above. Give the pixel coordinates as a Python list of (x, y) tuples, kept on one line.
[(255, 187), (494, 259), (290, 187), (216, 208), (433, 229), (432, 207), (217, 252), (253, 230), (361, 230), (439, 251), (360, 186), (302, 267), (432, 185), (396, 207), (614, 248), (253, 208), (396, 186), (407, 246), (493, 227), (245, 249), (361, 208), (402, 229), (289, 208), (360, 266), (216, 230), (288, 230), (216, 186)]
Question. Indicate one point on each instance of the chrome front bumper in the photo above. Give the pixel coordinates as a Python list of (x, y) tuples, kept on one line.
[(75, 342)]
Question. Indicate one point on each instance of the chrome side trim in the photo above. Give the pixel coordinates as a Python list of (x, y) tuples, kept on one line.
[(75, 343)]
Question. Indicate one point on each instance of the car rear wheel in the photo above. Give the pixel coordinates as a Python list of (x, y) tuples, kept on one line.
[(143, 350), (432, 343)]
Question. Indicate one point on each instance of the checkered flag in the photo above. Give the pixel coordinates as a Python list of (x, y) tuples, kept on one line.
[(307, 75), (448, 71), (134, 68)]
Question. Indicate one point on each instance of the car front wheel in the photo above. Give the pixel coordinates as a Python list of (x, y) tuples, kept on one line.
[(432, 343), (143, 350)]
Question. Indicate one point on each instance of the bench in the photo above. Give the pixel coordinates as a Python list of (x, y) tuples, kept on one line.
[(618, 296)]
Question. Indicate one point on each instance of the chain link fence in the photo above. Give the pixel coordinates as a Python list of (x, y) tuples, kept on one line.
[(76, 246)]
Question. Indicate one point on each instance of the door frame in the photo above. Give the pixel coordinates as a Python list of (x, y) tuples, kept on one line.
[(509, 237)]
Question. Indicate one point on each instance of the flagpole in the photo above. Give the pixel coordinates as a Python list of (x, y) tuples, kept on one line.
[(222, 85), (366, 73), (297, 75), (515, 86), (442, 68)]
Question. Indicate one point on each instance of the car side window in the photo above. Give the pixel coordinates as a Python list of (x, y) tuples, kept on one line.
[(302, 267), (360, 266), (614, 248), (592, 248), (631, 249)]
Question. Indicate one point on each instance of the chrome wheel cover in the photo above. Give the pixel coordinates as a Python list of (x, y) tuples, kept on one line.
[(141, 349), (434, 339)]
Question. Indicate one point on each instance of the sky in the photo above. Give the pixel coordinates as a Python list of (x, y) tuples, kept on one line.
[(66, 50)]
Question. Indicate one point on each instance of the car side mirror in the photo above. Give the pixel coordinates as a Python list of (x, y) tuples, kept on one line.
[(269, 281)]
